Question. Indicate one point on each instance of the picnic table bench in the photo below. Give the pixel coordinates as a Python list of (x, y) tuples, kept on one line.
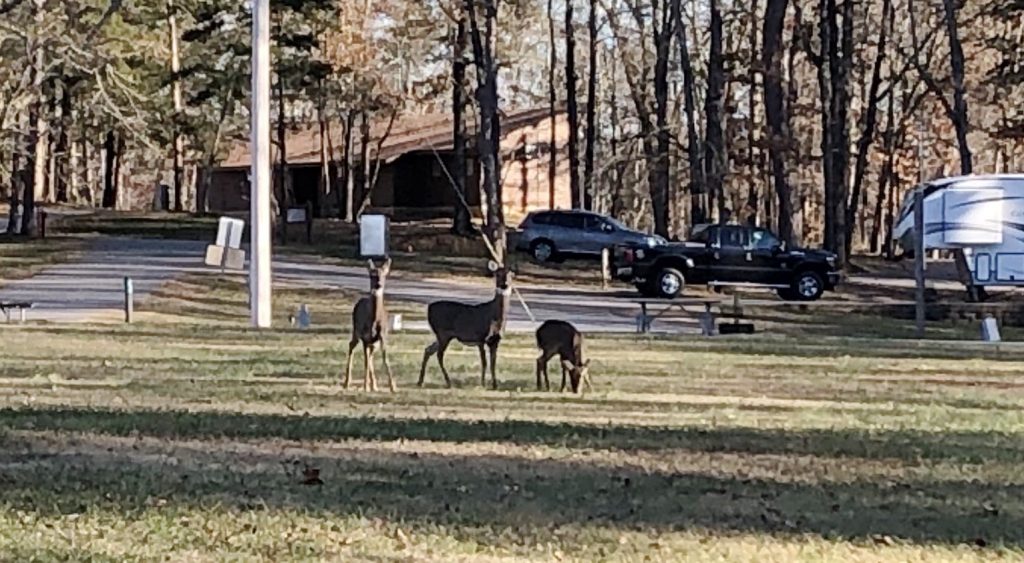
[(7, 308), (706, 315)]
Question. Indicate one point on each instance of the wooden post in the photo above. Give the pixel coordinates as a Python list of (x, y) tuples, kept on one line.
[(309, 222), (606, 267), (919, 259), (129, 300)]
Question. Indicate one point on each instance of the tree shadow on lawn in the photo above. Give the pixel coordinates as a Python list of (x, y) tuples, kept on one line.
[(483, 495), (905, 445)]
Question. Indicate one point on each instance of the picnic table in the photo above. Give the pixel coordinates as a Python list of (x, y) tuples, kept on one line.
[(702, 309), (7, 308)]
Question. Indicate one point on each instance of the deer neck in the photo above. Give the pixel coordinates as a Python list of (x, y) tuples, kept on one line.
[(377, 298), (502, 302)]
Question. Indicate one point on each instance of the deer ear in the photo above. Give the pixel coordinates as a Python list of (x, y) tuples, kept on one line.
[(387, 266), (370, 265), (586, 364), (493, 266), (568, 365)]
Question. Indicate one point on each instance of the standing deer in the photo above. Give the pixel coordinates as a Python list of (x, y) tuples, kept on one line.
[(473, 325), (370, 327), (562, 339)]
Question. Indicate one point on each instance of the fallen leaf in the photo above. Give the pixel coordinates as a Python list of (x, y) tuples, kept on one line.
[(311, 476)]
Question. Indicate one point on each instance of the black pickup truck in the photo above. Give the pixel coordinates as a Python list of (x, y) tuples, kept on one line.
[(727, 255)]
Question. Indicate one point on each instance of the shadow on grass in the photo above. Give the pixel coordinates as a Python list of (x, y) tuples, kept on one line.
[(492, 498), (907, 445)]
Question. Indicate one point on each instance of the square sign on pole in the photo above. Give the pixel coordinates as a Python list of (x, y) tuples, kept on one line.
[(226, 253), (374, 236)]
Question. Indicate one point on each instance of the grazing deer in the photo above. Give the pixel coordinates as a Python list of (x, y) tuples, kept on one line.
[(370, 327), (562, 339), (473, 325)]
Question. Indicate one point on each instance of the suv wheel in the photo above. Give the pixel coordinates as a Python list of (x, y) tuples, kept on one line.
[(808, 286), (669, 283), (543, 251)]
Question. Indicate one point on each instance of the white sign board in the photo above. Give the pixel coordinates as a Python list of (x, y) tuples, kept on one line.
[(373, 236), (296, 215), (229, 232)]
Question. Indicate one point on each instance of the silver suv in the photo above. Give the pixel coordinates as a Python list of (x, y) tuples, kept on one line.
[(552, 235)]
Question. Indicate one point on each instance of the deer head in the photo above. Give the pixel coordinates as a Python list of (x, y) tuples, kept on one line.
[(378, 275), (577, 373)]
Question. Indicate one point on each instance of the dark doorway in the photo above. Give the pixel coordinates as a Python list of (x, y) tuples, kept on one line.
[(306, 186)]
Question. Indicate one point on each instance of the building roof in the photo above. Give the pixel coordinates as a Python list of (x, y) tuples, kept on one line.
[(410, 133)]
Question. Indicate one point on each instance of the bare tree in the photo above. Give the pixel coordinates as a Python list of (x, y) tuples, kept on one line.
[(572, 106), (589, 153), (779, 142)]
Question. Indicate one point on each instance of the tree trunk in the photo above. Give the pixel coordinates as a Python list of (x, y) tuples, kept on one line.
[(589, 154), (552, 100), (365, 168), (572, 107), (870, 120), (178, 144), (659, 163), (697, 190), (347, 210), (203, 188), (753, 191), (461, 221), (889, 144), (64, 170), (17, 189), (714, 153), (956, 59), (109, 165), (617, 197), (778, 146), (489, 135), (284, 199)]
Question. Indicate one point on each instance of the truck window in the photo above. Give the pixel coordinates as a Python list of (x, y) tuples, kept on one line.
[(705, 235), (760, 239), (734, 237)]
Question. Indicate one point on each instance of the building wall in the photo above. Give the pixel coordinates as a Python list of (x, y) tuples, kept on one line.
[(526, 157)]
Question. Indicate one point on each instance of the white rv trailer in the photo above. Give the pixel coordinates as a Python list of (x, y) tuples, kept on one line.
[(981, 215)]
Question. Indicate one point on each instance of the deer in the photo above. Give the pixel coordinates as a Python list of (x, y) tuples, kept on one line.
[(370, 328), (562, 339), (479, 325)]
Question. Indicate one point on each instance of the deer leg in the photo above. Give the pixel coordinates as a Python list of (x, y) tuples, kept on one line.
[(564, 374), (387, 366), (366, 367), (442, 348), (483, 366), (373, 369), (348, 368), (494, 364), (429, 351), (541, 366)]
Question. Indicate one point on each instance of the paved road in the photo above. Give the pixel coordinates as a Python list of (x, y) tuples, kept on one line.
[(91, 288)]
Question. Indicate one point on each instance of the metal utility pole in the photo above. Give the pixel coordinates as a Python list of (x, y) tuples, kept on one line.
[(260, 227), (919, 258)]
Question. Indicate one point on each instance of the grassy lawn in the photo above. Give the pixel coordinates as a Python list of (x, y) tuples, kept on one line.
[(190, 437)]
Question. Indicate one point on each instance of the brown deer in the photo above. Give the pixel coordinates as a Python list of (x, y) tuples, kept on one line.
[(473, 325), (562, 339), (370, 327)]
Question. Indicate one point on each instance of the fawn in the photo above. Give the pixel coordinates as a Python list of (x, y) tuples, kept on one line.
[(370, 327), (562, 339)]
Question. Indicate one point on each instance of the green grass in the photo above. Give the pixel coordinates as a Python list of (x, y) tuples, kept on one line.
[(191, 437)]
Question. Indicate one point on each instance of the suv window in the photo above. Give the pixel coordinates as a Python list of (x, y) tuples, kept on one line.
[(595, 223), (567, 220), (733, 237), (761, 239)]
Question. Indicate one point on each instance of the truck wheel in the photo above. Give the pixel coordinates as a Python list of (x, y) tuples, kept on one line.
[(669, 283), (808, 286), (543, 251)]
